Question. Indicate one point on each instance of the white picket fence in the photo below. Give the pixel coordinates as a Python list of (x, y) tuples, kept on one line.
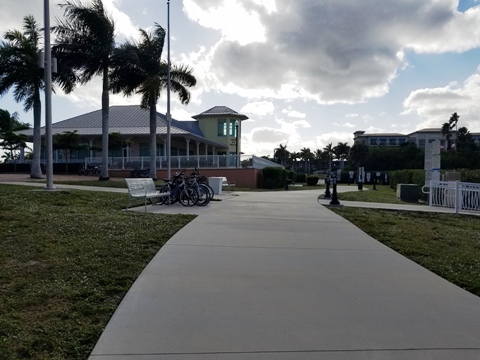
[(461, 196)]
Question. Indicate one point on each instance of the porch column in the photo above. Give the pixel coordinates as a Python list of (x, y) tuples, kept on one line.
[(187, 140), (198, 153), (22, 155), (90, 151)]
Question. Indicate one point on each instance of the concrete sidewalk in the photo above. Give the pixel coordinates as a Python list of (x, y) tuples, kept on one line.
[(275, 275)]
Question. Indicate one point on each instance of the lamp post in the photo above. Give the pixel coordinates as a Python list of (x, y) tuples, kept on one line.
[(48, 98), (237, 123), (169, 136)]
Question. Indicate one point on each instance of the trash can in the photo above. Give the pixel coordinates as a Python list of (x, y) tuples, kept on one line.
[(216, 184)]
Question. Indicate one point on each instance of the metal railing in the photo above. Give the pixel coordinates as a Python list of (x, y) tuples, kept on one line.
[(185, 162), (463, 197), (176, 162)]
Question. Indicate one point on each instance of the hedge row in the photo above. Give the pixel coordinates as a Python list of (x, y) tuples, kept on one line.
[(417, 176)]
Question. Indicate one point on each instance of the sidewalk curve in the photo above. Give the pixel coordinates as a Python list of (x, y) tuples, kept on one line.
[(275, 275)]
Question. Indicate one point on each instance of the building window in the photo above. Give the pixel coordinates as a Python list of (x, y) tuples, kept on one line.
[(233, 128), (373, 142), (225, 128), (392, 141), (421, 142), (222, 127), (383, 141), (144, 149), (160, 150)]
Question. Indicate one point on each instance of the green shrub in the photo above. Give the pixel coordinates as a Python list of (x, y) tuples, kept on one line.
[(10, 168), (408, 176), (301, 178), (274, 177), (469, 175), (312, 180)]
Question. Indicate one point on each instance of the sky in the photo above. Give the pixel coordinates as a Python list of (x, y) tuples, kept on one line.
[(307, 73)]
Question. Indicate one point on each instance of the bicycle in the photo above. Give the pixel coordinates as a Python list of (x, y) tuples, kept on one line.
[(205, 192), (180, 191)]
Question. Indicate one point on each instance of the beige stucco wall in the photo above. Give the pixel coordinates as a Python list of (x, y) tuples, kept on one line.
[(209, 127)]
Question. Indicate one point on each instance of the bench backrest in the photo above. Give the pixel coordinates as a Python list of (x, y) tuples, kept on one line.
[(140, 186)]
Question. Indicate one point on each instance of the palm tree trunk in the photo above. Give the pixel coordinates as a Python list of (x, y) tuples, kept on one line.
[(35, 169), (153, 136), (105, 119)]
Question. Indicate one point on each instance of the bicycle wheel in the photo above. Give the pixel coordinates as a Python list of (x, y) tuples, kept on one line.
[(163, 199), (210, 190), (189, 196), (203, 196)]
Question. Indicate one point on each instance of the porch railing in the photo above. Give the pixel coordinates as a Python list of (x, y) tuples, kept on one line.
[(184, 162), (177, 162)]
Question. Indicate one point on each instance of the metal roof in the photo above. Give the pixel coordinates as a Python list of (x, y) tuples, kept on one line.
[(220, 111), (381, 134), (127, 120)]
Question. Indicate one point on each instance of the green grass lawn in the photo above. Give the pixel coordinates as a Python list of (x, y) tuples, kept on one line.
[(446, 244), (67, 258), (383, 194)]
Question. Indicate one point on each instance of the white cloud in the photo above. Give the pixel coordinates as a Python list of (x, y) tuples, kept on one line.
[(294, 113), (259, 108), (334, 138), (327, 51), (302, 124), (435, 105), (182, 114), (230, 17), (349, 125)]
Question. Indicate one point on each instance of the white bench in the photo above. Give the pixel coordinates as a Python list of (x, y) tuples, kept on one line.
[(143, 188), (226, 183)]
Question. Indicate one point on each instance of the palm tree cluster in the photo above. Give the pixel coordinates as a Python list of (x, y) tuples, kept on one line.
[(308, 161), (448, 127), (19, 70), (10, 141), (463, 141), (85, 48)]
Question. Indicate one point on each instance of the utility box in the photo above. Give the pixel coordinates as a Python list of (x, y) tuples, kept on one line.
[(453, 176), (408, 192), (216, 184)]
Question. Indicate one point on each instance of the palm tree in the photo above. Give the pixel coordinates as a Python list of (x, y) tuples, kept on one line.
[(10, 141), (294, 156), (341, 151), (453, 120), (329, 150), (19, 69), (465, 141), (282, 154), (447, 127), (306, 155), (446, 133), (358, 154), (85, 43), (139, 69)]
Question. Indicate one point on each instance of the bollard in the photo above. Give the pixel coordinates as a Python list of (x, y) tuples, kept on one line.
[(334, 193), (327, 194)]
